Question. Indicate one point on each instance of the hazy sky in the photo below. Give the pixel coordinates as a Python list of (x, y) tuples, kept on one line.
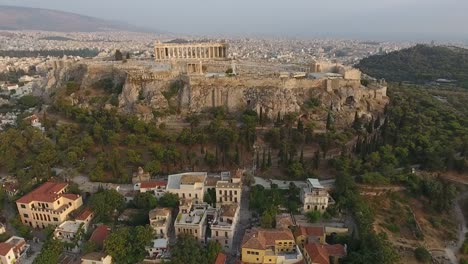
[(301, 18)]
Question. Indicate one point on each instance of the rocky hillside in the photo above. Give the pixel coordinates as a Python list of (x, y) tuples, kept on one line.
[(159, 95)]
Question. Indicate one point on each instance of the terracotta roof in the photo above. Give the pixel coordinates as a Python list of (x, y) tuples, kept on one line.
[(5, 248), (94, 256), (47, 192), (152, 184), (70, 196), (284, 221), (100, 234), (336, 250), (221, 258), (229, 210), (85, 214), (318, 253), (262, 238), (316, 231)]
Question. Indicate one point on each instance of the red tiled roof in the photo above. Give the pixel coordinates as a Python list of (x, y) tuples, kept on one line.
[(70, 196), (221, 258), (318, 253), (85, 214), (259, 238), (336, 250), (100, 234), (47, 192), (152, 184), (317, 231), (5, 248)]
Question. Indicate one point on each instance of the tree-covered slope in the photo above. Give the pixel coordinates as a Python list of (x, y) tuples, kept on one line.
[(420, 63)]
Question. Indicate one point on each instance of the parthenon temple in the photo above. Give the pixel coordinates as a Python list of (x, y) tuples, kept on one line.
[(187, 51)]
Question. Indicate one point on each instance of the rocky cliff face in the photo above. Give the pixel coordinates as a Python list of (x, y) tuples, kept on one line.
[(151, 94)]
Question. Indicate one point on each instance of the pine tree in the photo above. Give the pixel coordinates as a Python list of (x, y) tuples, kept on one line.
[(370, 126), (237, 157), (357, 122), (127, 56), (377, 122), (278, 120)]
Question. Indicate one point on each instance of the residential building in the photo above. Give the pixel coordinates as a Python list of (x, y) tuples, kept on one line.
[(192, 221), (85, 217), (284, 221), (157, 248), (156, 187), (49, 204), (314, 197), (270, 246), (228, 192), (96, 258), (315, 253), (309, 234), (160, 220), (13, 250), (224, 225), (188, 186), (71, 232), (99, 235)]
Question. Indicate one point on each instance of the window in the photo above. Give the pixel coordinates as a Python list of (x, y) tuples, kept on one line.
[(225, 234), (23, 206), (26, 215), (235, 192), (225, 242), (55, 219)]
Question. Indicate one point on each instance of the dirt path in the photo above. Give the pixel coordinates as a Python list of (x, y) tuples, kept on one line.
[(451, 250)]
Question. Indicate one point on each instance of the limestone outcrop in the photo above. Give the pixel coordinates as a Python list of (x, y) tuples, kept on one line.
[(157, 94)]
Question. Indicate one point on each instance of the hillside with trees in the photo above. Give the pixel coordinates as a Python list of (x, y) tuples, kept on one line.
[(419, 64)]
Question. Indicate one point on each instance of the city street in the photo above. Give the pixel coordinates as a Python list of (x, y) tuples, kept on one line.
[(244, 220)]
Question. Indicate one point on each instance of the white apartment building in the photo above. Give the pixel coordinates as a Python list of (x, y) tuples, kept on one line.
[(314, 197), (224, 225), (160, 220), (188, 186), (192, 221)]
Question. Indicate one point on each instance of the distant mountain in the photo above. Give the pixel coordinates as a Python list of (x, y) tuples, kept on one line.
[(25, 18), (421, 63)]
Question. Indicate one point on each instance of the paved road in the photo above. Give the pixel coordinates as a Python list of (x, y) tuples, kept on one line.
[(451, 250), (244, 220)]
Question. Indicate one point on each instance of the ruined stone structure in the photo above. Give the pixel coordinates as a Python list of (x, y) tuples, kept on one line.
[(190, 51)]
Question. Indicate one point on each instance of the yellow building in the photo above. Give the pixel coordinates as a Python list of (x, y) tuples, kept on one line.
[(228, 192), (270, 246), (309, 234), (49, 204)]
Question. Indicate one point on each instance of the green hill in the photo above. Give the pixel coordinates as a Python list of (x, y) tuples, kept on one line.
[(419, 64)]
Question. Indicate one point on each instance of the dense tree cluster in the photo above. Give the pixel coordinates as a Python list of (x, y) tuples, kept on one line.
[(188, 250), (420, 63), (127, 244)]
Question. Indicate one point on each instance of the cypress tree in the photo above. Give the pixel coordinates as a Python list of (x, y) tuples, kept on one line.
[(301, 159), (269, 159), (263, 159)]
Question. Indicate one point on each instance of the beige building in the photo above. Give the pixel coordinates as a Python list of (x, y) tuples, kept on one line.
[(160, 220), (314, 197), (224, 225), (13, 250), (96, 258), (270, 246), (49, 204), (188, 186), (192, 221), (228, 192), (190, 51)]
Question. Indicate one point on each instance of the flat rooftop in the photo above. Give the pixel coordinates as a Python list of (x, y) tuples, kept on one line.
[(175, 180), (314, 183), (196, 215), (69, 227)]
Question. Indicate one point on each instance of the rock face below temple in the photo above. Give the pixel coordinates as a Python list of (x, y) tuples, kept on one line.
[(160, 94)]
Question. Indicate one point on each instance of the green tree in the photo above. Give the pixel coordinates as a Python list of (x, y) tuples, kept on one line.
[(145, 200), (118, 55), (50, 252), (187, 250), (266, 221), (106, 203), (127, 244), (169, 200)]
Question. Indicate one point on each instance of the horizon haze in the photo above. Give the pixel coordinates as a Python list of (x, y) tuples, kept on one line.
[(387, 19)]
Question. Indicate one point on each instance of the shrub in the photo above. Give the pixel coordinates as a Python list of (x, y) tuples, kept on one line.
[(422, 255)]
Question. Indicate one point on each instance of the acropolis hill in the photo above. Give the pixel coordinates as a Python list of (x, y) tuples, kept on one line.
[(193, 77)]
